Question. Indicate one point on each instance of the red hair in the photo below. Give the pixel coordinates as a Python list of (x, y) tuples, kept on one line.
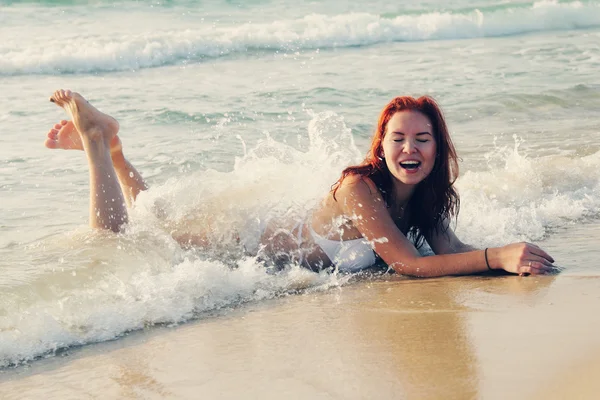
[(434, 200)]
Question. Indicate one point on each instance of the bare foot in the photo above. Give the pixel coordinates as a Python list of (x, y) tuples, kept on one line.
[(64, 136), (92, 125)]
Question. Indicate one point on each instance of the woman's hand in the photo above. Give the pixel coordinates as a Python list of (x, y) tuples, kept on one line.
[(522, 258)]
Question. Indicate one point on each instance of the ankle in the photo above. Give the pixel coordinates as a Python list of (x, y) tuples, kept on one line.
[(95, 145)]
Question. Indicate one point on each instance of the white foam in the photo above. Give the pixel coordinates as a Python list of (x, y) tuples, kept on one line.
[(93, 287), (112, 306), (96, 287), (523, 198), (102, 51)]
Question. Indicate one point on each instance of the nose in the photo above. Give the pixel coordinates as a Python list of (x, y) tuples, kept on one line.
[(409, 147)]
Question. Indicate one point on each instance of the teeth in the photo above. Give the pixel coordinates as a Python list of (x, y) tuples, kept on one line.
[(410, 164)]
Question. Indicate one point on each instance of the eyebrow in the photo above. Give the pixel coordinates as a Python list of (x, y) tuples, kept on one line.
[(418, 134)]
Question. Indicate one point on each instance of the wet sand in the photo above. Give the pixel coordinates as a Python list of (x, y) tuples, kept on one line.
[(452, 338), (449, 338)]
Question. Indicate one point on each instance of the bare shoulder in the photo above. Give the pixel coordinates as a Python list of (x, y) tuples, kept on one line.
[(357, 185)]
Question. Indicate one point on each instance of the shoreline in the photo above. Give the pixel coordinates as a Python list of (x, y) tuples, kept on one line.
[(466, 337)]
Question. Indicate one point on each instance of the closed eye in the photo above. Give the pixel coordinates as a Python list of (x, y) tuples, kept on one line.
[(418, 140)]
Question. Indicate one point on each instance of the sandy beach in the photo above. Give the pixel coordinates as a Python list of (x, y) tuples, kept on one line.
[(394, 338), (238, 113)]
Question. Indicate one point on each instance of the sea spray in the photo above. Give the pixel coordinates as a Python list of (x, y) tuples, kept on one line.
[(521, 197), (86, 287), (122, 49), (93, 286)]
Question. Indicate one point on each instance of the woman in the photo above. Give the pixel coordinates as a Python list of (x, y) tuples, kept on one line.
[(404, 188)]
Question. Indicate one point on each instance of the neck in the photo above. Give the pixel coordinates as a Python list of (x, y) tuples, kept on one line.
[(402, 193)]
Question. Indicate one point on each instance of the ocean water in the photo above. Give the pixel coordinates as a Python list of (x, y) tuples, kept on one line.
[(237, 110)]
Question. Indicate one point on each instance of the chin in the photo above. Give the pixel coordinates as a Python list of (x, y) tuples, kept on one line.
[(411, 179)]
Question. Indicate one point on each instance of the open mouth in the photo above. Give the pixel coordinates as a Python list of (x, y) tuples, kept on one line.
[(410, 165)]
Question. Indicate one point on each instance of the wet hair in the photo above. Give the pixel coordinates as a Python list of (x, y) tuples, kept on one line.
[(435, 199)]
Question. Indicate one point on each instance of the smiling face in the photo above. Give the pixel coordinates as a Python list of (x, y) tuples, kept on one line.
[(409, 147)]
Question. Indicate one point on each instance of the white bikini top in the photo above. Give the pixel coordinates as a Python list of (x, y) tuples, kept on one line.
[(347, 255)]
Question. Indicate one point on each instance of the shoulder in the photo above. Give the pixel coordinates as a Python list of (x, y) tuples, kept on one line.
[(357, 184), (359, 191)]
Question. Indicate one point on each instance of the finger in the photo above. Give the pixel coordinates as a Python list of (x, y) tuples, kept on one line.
[(526, 270), (539, 259), (537, 268), (550, 269), (541, 253)]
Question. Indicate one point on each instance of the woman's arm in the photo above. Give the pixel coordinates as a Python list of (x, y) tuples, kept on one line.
[(362, 202), (447, 242)]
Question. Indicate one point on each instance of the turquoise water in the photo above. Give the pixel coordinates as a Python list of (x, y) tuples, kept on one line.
[(240, 109)]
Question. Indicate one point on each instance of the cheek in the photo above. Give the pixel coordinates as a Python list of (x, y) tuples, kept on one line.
[(390, 165), (430, 153), (388, 152)]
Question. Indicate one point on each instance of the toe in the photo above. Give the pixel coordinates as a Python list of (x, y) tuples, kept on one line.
[(64, 122), (51, 144), (58, 126), (55, 98)]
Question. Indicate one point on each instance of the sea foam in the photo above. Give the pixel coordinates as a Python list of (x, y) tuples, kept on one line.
[(99, 51), (524, 198), (93, 287), (87, 287)]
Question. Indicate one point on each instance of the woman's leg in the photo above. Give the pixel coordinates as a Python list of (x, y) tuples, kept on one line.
[(64, 135), (97, 130)]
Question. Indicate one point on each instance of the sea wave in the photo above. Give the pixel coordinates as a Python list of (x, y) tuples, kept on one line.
[(86, 287), (102, 52), (523, 198)]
